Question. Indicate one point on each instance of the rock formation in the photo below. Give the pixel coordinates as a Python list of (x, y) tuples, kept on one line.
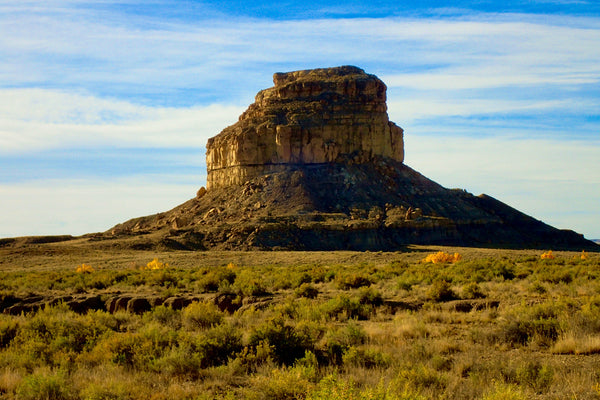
[(315, 164), (308, 117)]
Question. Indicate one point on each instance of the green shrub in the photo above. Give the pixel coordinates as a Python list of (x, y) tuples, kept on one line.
[(504, 270), (538, 323), (181, 361), (333, 387), (365, 358), (201, 315), (96, 391), (419, 377), (135, 350), (55, 335), (44, 385), (280, 384), (538, 288), (252, 357), (162, 277), (338, 341), (505, 392), (215, 279), (352, 281), (287, 343), (522, 332), (302, 279), (307, 290), (247, 284), (535, 375), (368, 295), (164, 315), (343, 307), (472, 291), (218, 344), (8, 330), (405, 284), (559, 275), (441, 290)]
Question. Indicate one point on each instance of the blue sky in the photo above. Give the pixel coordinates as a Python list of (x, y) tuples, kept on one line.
[(106, 106)]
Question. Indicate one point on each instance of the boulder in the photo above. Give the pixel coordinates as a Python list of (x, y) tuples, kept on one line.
[(138, 305)]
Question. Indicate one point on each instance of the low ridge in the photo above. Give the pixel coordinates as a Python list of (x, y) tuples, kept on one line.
[(315, 164)]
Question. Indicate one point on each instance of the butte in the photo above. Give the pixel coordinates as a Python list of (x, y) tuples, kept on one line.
[(315, 164)]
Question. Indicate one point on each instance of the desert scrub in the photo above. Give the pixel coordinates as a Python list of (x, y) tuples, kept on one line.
[(54, 337), (334, 387), (343, 307), (164, 315), (505, 392), (201, 315), (472, 291), (352, 281), (482, 270), (537, 324), (307, 290), (370, 296), (441, 290), (45, 384), (210, 280), (290, 382), (535, 375), (248, 283), (343, 342), (288, 343), (8, 330), (365, 357), (134, 350), (337, 341)]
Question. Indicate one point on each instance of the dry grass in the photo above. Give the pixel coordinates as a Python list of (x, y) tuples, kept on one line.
[(495, 325), (568, 344)]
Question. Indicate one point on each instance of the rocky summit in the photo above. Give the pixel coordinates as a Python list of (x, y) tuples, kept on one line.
[(313, 117), (315, 164)]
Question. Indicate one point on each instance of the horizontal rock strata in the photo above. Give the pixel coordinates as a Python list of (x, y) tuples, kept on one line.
[(308, 117)]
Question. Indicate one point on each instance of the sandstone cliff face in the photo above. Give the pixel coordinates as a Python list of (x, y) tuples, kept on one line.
[(308, 117)]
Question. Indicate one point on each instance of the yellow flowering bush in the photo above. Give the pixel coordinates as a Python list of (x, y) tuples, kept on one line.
[(583, 255), (155, 264), (84, 269), (547, 255), (441, 257)]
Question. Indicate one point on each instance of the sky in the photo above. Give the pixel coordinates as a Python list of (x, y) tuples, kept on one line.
[(106, 106)]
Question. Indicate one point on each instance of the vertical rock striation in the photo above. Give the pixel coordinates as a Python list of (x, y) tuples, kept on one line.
[(309, 117)]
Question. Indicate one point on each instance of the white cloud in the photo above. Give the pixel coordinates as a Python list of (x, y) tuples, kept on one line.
[(486, 77), (475, 51), (408, 110), (555, 181), (36, 119), (77, 207)]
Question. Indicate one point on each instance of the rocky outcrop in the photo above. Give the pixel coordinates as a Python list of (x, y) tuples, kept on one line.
[(308, 117), (315, 164)]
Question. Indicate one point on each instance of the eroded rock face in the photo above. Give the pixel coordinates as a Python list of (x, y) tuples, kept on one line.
[(309, 117), (315, 164)]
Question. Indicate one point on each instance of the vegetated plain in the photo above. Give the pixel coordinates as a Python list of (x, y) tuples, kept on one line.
[(486, 324)]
